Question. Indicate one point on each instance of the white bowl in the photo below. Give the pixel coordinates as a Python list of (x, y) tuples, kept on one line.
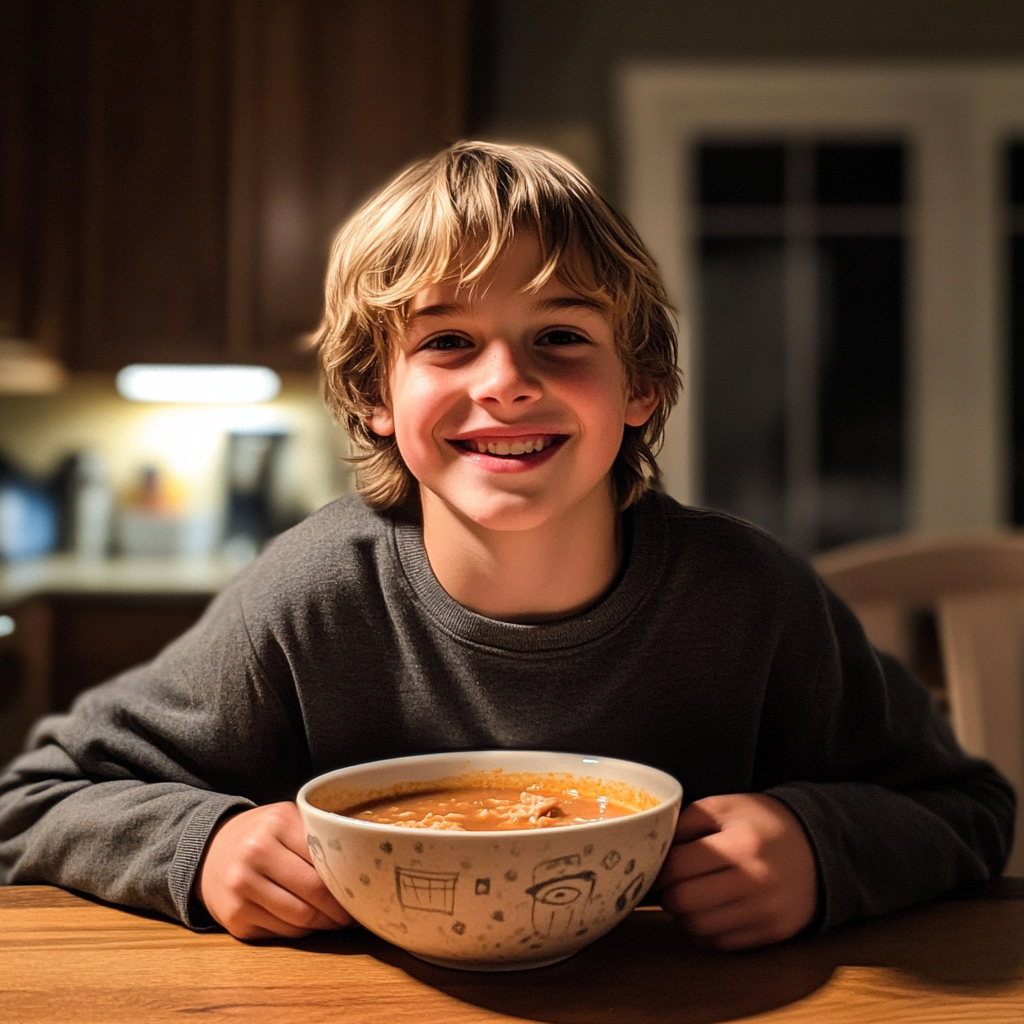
[(490, 901)]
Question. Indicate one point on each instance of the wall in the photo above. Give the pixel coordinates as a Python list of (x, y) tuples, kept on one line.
[(544, 69), (186, 442)]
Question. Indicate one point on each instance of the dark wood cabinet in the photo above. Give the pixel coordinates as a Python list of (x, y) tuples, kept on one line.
[(155, 183), (329, 99), (62, 645), (175, 169)]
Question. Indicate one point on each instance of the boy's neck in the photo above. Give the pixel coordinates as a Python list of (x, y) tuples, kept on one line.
[(537, 575)]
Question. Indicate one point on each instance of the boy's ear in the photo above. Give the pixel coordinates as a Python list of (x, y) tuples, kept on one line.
[(381, 421), (642, 402)]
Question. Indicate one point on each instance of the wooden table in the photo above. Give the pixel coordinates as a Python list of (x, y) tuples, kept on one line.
[(68, 959)]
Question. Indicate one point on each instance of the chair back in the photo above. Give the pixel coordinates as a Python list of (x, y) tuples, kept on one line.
[(974, 584)]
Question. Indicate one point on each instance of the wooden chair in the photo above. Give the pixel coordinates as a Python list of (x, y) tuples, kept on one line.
[(974, 583)]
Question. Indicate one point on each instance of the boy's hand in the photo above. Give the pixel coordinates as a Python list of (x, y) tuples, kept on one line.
[(257, 880), (740, 873)]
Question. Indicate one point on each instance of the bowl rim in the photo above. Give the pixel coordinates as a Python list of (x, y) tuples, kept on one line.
[(302, 801)]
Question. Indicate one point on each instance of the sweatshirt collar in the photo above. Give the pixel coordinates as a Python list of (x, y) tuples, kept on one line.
[(644, 524)]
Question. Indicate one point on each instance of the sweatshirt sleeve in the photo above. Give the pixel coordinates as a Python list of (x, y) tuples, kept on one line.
[(118, 797), (896, 812)]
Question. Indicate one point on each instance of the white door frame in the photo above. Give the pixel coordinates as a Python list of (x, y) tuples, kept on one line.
[(955, 119)]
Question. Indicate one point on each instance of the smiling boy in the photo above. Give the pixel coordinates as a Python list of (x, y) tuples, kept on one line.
[(508, 406), (498, 343)]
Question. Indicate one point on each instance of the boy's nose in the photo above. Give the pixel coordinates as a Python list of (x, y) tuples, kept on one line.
[(505, 376)]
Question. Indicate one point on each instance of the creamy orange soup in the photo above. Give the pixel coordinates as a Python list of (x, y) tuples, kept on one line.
[(488, 809)]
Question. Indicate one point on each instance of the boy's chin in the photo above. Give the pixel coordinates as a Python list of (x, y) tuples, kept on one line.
[(511, 514), (501, 512)]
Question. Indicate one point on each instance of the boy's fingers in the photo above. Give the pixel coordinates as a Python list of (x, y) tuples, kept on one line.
[(694, 859), (296, 876), (283, 903), (293, 870), (738, 925), (704, 892), (317, 895), (703, 857), (257, 922), (292, 833), (695, 822)]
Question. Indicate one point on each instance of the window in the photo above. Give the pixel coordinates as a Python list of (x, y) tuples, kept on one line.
[(800, 291), (856, 216), (1015, 182)]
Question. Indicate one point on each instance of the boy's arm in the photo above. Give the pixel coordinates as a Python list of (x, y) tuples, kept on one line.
[(894, 809), (866, 804), (119, 797)]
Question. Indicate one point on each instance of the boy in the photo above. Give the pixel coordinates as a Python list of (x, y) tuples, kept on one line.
[(498, 343)]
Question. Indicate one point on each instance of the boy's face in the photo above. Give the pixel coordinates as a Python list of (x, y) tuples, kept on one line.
[(508, 406)]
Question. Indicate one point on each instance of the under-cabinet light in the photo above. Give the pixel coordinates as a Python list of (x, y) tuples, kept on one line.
[(197, 385)]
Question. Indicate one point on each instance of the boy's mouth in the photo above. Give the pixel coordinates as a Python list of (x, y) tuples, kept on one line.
[(510, 447)]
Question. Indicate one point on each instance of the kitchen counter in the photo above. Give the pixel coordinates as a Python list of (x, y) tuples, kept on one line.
[(64, 575)]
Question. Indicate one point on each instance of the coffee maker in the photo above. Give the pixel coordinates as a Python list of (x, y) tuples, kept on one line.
[(253, 471)]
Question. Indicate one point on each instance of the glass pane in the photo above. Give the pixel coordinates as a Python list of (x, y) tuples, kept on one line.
[(1017, 375), (853, 174), (741, 174), (743, 379), (1015, 154), (801, 347), (1017, 173), (860, 388)]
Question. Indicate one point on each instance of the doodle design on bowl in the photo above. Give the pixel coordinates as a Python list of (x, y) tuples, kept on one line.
[(433, 891), (560, 896)]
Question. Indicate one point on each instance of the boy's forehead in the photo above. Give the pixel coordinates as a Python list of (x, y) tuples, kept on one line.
[(510, 278)]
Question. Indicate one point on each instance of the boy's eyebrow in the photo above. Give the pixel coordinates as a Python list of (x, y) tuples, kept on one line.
[(571, 302), (444, 309), (439, 309)]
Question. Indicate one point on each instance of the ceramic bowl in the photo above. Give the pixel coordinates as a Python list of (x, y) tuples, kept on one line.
[(493, 900)]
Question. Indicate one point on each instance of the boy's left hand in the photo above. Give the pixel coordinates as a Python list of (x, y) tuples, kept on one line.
[(741, 872)]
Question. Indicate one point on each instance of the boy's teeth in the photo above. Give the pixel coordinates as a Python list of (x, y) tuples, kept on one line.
[(510, 448)]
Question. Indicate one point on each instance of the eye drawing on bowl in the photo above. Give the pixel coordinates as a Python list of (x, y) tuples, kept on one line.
[(433, 891), (560, 896)]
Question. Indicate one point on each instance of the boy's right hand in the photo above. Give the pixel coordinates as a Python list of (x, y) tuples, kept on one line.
[(256, 878)]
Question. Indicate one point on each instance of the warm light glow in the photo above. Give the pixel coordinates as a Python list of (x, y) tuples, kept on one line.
[(197, 385)]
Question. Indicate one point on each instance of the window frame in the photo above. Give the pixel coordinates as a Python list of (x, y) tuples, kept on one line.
[(955, 121)]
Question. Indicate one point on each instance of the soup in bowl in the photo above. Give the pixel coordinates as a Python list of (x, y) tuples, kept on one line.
[(490, 860)]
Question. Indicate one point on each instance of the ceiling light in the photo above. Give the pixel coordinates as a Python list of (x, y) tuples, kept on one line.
[(197, 385)]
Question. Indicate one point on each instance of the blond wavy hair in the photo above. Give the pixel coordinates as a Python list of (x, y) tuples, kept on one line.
[(449, 218)]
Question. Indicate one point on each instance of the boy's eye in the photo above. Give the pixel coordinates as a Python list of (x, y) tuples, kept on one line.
[(561, 337), (447, 342)]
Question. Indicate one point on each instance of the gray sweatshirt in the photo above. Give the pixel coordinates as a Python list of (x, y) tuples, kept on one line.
[(718, 656)]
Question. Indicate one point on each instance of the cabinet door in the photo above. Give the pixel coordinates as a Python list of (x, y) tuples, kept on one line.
[(26, 643), (330, 99), (100, 637), (42, 76), (156, 175), (54, 648)]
